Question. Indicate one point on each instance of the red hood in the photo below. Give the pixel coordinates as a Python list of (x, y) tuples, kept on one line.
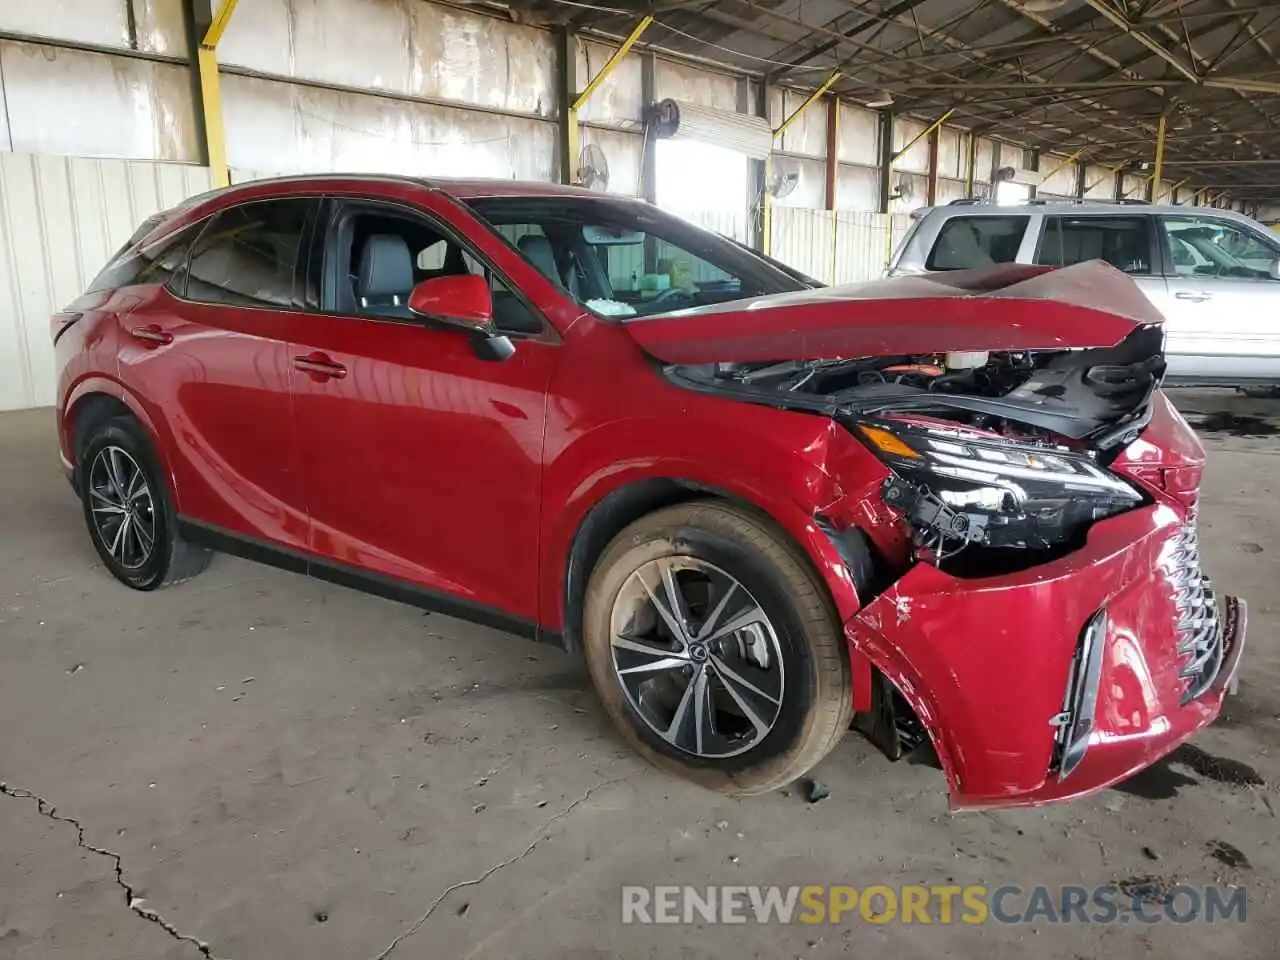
[(1005, 307)]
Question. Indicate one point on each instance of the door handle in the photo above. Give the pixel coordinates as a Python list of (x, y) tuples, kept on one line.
[(151, 334), (319, 367), (1195, 296)]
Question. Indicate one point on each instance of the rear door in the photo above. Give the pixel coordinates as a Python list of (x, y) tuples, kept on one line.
[(1223, 307), (209, 355)]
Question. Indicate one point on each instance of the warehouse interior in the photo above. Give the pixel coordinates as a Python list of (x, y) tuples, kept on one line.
[(261, 765)]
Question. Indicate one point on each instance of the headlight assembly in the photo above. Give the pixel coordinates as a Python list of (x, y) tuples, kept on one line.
[(971, 487)]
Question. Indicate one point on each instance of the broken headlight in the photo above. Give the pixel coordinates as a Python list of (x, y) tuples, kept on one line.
[(970, 487)]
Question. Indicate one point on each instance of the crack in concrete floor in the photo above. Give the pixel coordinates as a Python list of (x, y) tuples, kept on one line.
[(136, 904), (539, 837)]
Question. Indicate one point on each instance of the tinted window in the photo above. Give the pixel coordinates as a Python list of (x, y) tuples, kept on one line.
[(967, 242), (248, 254), (154, 263), (1123, 242), (1204, 247)]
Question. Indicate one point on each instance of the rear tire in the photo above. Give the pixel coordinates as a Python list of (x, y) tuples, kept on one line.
[(128, 509), (748, 686)]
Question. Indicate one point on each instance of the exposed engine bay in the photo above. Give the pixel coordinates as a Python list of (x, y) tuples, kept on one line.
[(999, 451)]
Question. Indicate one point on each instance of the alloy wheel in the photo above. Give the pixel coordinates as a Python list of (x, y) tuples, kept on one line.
[(697, 657), (122, 507)]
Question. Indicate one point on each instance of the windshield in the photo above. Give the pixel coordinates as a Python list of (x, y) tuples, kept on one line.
[(623, 258)]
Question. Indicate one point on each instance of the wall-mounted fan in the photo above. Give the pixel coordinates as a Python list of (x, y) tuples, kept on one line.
[(593, 168), (782, 181), (904, 189)]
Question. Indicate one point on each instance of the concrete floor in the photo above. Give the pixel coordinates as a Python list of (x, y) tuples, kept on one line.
[(289, 769)]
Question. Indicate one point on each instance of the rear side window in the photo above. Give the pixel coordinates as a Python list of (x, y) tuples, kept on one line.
[(1123, 242), (967, 242), (248, 255), (154, 263)]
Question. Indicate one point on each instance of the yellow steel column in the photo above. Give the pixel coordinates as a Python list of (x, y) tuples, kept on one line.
[(1159, 166), (211, 95)]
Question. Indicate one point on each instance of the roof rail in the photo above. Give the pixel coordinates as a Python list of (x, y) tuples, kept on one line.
[(965, 202)]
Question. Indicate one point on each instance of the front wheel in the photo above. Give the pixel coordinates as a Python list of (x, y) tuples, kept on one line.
[(716, 650)]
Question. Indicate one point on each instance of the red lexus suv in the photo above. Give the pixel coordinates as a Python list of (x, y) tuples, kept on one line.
[(955, 511)]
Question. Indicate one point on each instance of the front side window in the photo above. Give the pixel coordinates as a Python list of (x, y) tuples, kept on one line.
[(1204, 247), (382, 254), (967, 242), (621, 258), (1123, 242), (248, 255)]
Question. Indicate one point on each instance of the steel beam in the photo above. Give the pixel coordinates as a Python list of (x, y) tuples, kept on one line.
[(926, 132), (568, 134), (209, 26), (808, 102)]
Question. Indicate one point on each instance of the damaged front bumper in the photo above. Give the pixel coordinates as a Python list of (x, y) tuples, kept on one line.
[(1061, 679)]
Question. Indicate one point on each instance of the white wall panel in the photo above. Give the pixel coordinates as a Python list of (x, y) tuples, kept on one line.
[(60, 220), (807, 135), (915, 160), (160, 26), (399, 46), (804, 239), (102, 22), (836, 246), (1134, 186), (1099, 183), (1061, 182), (279, 127), (952, 145), (983, 159), (679, 81), (857, 188), (617, 101), (949, 190), (859, 135), (92, 104)]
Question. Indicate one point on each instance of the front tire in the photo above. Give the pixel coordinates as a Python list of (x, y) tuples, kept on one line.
[(129, 511), (716, 650)]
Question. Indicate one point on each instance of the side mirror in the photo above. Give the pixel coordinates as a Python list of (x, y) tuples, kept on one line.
[(464, 301), (1275, 269)]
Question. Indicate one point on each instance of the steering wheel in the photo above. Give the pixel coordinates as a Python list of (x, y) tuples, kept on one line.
[(673, 294)]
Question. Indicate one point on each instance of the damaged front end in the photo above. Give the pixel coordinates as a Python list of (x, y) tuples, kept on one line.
[(1032, 622), (1000, 456)]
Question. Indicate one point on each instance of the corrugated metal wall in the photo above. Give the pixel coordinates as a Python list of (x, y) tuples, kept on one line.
[(61, 218), (844, 246)]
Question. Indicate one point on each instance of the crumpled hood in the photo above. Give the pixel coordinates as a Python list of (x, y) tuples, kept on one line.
[(1004, 307)]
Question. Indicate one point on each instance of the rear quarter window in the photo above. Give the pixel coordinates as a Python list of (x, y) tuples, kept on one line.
[(967, 242)]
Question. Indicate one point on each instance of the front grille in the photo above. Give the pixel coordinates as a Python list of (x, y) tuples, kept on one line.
[(1198, 626)]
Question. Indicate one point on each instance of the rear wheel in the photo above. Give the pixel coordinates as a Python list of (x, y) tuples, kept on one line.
[(128, 509), (716, 650)]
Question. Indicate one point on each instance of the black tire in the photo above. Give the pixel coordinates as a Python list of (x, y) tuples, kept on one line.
[(170, 559), (816, 696)]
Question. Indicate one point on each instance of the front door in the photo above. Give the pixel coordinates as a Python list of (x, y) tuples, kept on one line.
[(423, 461)]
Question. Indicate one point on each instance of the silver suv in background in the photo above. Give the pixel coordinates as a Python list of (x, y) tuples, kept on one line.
[(1214, 274)]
